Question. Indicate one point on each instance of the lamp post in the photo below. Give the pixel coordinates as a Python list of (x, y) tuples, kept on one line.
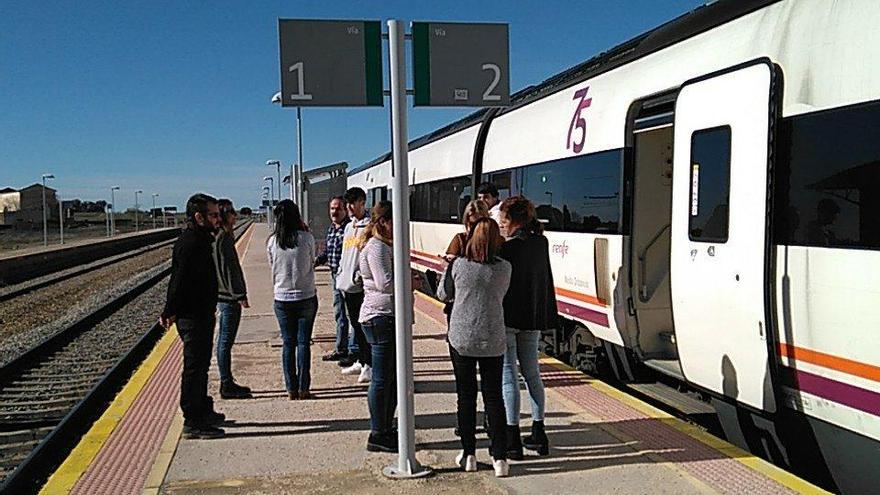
[(296, 169), (278, 171), (113, 210), (267, 194), (136, 228), (107, 218), (60, 217), (45, 221), (153, 211), (271, 189)]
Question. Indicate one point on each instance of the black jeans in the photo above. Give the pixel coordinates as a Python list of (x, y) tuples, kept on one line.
[(197, 335), (362, 352), (465, 368)]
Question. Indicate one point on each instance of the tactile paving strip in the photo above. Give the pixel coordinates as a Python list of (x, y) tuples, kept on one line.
[(705, 463), (125, 460)]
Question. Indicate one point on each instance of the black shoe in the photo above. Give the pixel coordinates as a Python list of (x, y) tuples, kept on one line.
[(231, 390), (382, 443), (334, 356), (202, 432), (214, 418), (514, 443), (538, 439), (346, 361)]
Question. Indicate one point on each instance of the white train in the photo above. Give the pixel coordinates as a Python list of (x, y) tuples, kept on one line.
[(711, 191)]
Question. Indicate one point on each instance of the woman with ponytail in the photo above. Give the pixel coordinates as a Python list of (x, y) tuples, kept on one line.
[(291, 250), (529, 309)]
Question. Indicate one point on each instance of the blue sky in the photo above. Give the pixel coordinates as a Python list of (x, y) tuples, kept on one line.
[(173, 96)]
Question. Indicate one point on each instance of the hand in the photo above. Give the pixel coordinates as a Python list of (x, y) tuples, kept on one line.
[(166, 322), (448, 257), (244, 303)]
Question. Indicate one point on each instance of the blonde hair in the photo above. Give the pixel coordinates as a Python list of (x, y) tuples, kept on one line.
[(476, 207), (485, 241), (380, 211)]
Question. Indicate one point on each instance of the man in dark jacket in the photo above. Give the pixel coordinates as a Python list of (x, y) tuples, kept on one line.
[(191, 303)]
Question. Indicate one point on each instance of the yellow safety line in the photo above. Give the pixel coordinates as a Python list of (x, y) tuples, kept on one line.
[(429, 299), (753, 462), (81, 457), (66, 476)]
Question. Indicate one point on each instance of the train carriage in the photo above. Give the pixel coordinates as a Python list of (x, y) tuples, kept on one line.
[(711, 192)]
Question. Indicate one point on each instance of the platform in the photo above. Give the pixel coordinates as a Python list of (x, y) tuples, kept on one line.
[(601, 439)]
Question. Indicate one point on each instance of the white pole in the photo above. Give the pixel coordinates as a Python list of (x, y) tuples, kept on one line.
[(107, 219), (407, 465), (292, 182), (60, 217), (300, 184), (45, 225)]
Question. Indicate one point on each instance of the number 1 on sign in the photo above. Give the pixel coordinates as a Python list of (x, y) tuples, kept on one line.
[(300, 79)]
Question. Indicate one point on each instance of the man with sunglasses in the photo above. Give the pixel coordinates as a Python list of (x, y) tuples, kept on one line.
[(191, 303)]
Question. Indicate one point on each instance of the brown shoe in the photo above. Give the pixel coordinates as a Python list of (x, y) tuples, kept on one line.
[(305, 395), (293, 395)]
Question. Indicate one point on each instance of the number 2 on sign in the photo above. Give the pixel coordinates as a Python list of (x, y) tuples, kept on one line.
[(578, 122)]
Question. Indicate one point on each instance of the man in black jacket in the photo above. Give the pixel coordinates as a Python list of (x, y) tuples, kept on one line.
[(191, 302)]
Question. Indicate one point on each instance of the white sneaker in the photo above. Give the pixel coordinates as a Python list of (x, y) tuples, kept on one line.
[(366, 375), (469, 463), (502, 469), (353, 369)]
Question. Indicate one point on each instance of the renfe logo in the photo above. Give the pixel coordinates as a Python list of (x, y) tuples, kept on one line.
[(578, 122), (560, 249)]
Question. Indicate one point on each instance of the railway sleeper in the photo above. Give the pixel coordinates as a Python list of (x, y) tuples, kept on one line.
[(9, 437), (38, 403), (24, 446)]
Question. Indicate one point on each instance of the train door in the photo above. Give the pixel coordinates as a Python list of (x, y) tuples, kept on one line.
[(720, 254)]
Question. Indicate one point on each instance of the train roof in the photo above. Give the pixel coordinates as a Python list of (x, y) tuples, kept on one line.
[(685, 26)]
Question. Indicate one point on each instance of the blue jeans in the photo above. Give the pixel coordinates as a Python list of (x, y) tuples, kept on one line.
[(342, 342), (296, 319), (382, 395), (230, 317), (522, 346)]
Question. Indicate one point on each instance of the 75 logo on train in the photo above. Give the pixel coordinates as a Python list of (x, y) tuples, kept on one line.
[(578, 122)]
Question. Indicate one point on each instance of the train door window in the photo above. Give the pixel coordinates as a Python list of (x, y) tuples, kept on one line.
[(580, 194), (710, 185)]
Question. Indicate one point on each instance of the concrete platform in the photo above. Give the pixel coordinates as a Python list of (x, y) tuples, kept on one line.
[(318, 446), (602, 441)]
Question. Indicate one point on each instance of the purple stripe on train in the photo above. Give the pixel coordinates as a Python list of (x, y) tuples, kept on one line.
[(583, 313), (848, 395)]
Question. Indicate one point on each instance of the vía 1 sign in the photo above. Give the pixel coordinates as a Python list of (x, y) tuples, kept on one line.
[(327, 63)]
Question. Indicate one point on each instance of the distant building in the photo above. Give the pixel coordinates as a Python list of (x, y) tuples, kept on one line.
[(23, 208), (321, 184)]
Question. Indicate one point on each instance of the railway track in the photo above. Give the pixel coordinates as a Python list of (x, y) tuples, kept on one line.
[(51, 394)]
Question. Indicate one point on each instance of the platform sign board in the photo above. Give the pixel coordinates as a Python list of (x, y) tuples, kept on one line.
[(326, 63), (457, 64)]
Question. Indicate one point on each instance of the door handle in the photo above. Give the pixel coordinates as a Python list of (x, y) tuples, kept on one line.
[(761, 330)]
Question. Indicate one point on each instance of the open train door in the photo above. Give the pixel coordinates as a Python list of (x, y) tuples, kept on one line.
[(720, 253)]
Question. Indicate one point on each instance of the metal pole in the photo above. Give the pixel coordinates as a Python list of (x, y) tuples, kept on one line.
[(107, 218), (293, 182), (45, 224), (407, 465), (278, 171), (153, 211), (136, 207), (112, 213), (300, 184), (60, 217)]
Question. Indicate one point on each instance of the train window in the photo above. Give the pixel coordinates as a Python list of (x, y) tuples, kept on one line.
[(440, 201), (827, 189), (502, 181), (580, 194), (710, 184)]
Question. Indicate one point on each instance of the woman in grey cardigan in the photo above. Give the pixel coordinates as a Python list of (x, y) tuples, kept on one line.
[(478, 282)]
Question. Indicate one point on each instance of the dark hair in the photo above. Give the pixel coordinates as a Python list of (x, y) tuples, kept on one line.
[(521, 211), (198, 203), (355, 194), (226, 208), (288, 224), (339, 198), (488, 188)]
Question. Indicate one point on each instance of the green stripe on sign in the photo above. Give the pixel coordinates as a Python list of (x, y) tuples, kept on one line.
[(421, 64), (373, 62)]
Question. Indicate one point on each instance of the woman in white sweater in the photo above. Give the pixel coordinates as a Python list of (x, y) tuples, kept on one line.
[(291, 250), (377, 320)]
